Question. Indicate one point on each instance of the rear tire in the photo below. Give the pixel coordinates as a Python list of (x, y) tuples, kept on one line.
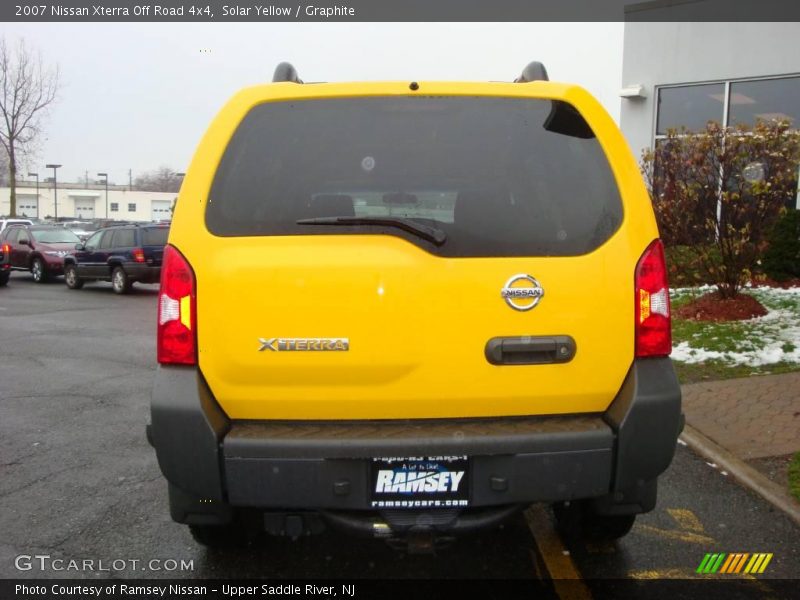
[(38, 270), (219, 536), (71, 277), (119, 281), (577, 520), (4, 276), (607, 527)]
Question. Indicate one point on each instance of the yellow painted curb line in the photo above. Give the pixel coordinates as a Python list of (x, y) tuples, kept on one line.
[(567, 581)]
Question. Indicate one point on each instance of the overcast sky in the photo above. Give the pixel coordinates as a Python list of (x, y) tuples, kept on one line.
[(139, 95)]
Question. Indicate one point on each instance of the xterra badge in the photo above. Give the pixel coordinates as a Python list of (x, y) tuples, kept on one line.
[(305, 344), (522, 292)]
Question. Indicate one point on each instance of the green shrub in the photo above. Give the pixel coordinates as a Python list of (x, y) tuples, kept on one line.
[(782, 258), (684, 268), (720, 191)]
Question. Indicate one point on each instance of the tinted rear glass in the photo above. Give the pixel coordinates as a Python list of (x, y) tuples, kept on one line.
[(124, 238), (155, 236), (500, 176)]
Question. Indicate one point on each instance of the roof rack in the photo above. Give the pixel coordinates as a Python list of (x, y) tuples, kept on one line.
[(534, 71), (286, 72)]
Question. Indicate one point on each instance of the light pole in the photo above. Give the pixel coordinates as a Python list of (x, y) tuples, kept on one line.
[(55, 188), (106, 176), (37, 191)]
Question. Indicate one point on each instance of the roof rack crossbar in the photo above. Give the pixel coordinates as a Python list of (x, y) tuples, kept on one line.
[(286, 72), (534, 71)]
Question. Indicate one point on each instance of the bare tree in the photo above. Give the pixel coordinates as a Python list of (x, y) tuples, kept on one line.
[(27, 88), (162, 179), (3, 168)]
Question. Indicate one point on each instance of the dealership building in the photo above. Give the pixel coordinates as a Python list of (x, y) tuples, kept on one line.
[(88, 202), (684, 74)]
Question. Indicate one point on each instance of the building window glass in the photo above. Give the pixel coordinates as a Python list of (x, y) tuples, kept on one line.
[(132, 207), (765, 99), (690, 107), (114, 206), (747, 101)]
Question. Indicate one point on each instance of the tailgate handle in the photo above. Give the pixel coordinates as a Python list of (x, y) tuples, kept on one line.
[(530, 350)]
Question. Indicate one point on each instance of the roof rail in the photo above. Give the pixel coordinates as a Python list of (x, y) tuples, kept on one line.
[(534, 71), (286, 72)]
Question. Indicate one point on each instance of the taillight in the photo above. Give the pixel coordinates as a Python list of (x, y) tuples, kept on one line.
[(6, 249), (653, 325), (138, 255), (177, 311)]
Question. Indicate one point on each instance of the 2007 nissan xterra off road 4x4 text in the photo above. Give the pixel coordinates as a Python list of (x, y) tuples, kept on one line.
[(409, 309)]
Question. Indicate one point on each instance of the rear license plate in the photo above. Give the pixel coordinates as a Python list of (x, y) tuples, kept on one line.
[(420, 482)]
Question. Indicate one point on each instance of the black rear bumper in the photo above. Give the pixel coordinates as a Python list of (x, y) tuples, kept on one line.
[(216, 463), (327, 466), (143, 273)]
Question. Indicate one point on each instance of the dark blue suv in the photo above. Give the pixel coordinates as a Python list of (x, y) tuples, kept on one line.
[(121, 255)]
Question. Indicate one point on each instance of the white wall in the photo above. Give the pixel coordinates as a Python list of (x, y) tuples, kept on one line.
[(143, 202), (671, 53)]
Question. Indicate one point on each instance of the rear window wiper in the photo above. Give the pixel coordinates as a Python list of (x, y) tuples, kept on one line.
[(432, 234)]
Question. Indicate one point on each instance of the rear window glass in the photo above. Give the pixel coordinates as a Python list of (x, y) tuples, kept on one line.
[(155, 236), (124, 238), (499, 176)]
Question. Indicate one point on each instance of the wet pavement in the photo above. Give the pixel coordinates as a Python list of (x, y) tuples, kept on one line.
[(79, 480)]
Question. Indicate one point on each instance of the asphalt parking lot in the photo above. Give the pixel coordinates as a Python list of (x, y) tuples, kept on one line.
[(79, 480)]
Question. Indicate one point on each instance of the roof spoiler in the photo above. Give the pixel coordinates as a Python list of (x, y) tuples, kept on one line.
[(286, 72), (534, 71)]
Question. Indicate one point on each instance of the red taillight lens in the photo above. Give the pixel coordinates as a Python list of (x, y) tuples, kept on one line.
[(177, 311), (653, 323), (138, 255), (6, 249)]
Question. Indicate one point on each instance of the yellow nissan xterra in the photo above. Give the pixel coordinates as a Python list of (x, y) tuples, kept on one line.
[(410, 309)]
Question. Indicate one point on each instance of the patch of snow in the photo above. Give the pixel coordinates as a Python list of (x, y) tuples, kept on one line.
[(771, 291), (768, 335), (771, 353), (761, 289)]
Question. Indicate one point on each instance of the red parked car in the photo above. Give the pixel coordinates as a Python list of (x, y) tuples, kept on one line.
[(5, 264), (39, 249)]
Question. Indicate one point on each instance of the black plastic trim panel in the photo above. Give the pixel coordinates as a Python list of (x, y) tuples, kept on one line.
[(365, 439)]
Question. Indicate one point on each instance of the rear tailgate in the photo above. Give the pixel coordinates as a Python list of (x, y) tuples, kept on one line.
[(312, 321), (417, 327)]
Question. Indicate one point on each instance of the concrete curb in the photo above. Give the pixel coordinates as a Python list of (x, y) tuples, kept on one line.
[(742, 472)]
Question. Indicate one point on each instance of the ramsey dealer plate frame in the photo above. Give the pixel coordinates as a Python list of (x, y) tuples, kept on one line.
[(419, 482)]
